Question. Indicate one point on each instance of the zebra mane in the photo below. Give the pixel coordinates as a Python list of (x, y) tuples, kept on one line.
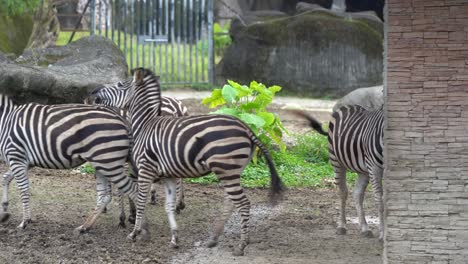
[(6, 104)]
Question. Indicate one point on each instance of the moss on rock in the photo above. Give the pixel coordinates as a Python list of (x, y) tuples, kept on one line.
[(15, 32)]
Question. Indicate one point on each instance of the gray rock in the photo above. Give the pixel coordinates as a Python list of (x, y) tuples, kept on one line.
[(370, 98), (63, 74), (313, 53)]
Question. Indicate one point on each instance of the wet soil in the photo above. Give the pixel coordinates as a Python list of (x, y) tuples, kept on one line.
[(301, 229)]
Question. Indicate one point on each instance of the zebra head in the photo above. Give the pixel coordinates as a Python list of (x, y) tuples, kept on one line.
[(114, 95), (145, 92)]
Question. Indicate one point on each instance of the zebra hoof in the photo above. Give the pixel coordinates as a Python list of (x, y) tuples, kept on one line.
[(122, 225), (367, 234), (211, 243), (341, 231), (4, 216), (180, 207), (143, 235), (24, 224), (238, 252), (80, 230)]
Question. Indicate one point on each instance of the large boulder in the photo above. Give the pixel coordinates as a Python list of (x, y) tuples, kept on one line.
[(370, 98), (316, 52), (62, 74)]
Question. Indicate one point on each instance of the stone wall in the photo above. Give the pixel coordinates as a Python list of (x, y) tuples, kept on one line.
[(426, 177)]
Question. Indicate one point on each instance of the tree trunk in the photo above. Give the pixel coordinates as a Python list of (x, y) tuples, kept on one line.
[(46, 26)]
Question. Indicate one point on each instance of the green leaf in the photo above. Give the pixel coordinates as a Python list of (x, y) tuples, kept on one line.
[(228, 111), (252, 119), (249, 107), (274, 89), (269, 118), (216, 99), (229, 94)]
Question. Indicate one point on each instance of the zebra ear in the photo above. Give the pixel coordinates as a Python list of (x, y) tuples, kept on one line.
[(138, 75)]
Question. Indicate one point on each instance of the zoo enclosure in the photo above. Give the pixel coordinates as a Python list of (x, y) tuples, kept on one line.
[(174, 38)]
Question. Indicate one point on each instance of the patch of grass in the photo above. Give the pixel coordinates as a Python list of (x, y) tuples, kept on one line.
[(87, 168)]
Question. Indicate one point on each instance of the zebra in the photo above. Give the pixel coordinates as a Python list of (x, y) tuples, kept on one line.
[(190, 146), (169, 107), (355, 138), (61, 137)]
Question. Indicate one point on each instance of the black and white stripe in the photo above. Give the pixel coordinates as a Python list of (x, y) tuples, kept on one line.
[(62, 137), (169, 107), (355, 139), (191, 146)]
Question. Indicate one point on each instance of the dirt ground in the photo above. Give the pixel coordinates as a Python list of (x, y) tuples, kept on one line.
[(301, 229)]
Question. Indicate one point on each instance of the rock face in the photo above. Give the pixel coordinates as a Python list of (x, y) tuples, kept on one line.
[(370, 98), (316, 52), (62, 74)]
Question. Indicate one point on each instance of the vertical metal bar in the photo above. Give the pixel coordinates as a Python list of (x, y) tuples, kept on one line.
[(190, 39), (92, 13), (159, 32), (113, 18), (185, 21), (132, 26), (107, 18), (196, 38), (100, 18), (179, 33), (125, 23), (137, 45), (173, 39), (204, 39), (118, 21), (144, 21), (211, 63), (153, 35), (166, 32)]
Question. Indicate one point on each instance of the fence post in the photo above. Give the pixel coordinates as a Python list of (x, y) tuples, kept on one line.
[(92, 13), (211, 63)]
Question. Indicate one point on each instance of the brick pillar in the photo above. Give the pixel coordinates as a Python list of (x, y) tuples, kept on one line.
[(426, 175)]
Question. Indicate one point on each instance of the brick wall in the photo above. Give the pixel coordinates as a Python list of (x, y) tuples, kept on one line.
[(426, 176)]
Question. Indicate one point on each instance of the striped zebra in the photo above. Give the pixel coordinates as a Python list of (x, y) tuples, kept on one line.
[(355, 139), (190, 146), (61, 137), (169, 107)]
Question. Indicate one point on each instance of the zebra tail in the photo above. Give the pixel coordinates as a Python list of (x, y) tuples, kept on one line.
[(277, 187), (314, 123)]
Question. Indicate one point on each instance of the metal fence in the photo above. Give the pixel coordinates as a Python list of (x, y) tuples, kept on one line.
[(174, 38)]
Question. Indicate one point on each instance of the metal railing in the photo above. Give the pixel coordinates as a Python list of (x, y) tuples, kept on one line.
[(174, 38)]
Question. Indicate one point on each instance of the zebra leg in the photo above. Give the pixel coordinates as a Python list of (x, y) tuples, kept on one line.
[(23, 184), (7, 177), (105, 198), (376, 178), (103, 188), (153, 198), (145, 179), (122, 215), (170, 187), (234, 191), (219, 224), (340, 180), (358, 193), (180, 203), (132, 208)]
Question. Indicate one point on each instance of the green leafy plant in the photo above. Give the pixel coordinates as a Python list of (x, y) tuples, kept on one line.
[(249, 103)]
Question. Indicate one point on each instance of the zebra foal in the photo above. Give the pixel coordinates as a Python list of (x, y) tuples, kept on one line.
[(191, 146), (355, 138), (62, 137)]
